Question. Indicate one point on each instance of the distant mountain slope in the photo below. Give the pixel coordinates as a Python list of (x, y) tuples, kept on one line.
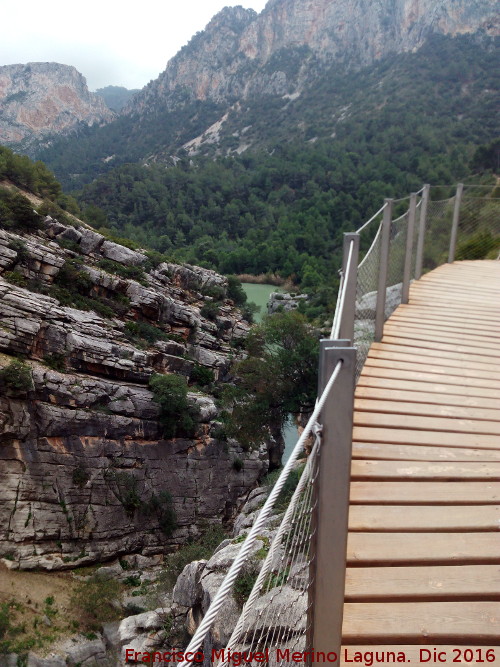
[(116, 97), (241, 54), (249, 80), (40, 100)]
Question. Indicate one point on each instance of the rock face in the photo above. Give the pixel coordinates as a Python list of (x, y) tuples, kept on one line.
[(85, 471), (42, 99), (242, 54)]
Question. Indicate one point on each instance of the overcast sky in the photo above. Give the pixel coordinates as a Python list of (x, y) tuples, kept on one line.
[(111, 42)]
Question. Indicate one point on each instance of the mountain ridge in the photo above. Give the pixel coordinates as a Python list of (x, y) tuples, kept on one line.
[(38, 100)]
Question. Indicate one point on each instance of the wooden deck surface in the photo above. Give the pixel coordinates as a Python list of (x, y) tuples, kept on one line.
[(424, 524)]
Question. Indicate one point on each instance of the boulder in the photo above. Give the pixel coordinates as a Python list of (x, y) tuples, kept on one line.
[(121, 254)]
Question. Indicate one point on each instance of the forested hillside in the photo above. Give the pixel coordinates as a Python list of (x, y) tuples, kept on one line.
[(408, 107), (381, 132)]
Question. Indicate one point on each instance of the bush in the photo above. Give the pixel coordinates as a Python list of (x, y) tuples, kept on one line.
[(54, 210), (72, 278), (130, 272), (16, 278), (235, 291), (243, 585), (161, 506), (96, 601), (176, 415), (142, 332), (16, 212), (215, 291), (17, 376), (57, 362), (80, 476), (210, 310), (202, 376), (21, 248), (238, 464)]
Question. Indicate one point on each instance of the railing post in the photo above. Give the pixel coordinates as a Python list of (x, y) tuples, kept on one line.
[(348, 313), (410, 233), (454, 226), (331, 506), (421, 232), (385, 240)]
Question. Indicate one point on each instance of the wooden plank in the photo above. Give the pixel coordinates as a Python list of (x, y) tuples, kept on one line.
[(425, 493), (429, 438), (459, 315), (471, 329), (416, 342), (426, 409), (429, 354), (426, 548), (424, 423), (434, 399), (429, 387), (430, 470), (424, 518), (443, 304), (386, 655), (463, 622), (459, 370), (444, 336), (445, 329), (437, 293), (490, 385), (439, 582), (399, 452)]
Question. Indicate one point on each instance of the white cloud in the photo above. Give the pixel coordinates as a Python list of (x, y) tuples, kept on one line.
[(110, 42)]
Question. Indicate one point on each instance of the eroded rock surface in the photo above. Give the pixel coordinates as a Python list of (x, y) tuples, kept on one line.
[(85, 471)]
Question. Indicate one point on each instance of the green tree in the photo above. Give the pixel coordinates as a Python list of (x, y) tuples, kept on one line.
[(278, 377), (176, 415)]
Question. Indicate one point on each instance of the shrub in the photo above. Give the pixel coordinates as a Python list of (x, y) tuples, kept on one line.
[(96, 601), (238, 464), (16, 212), (243, 585), (142, 332), (21, 248), (200, 549), (72, 278), (17, 376), (57, 362), (235, 291), (16, 278), (48, 207), (126, 491), (161, 505), (215, 291), (131, 272), (201, 375), (176, 415), (210, 310), (80, 476)]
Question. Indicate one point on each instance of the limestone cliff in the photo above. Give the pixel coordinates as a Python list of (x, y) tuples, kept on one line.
[(42, 99), (83, 462), (241, 54)]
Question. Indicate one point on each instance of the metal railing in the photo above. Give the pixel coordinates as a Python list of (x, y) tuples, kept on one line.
[(296, 603)]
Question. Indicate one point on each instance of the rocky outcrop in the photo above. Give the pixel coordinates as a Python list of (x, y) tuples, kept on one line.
[(85, 470), (38, 100), (284, 302)]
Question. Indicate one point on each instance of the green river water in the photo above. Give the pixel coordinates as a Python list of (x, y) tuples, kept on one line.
[(259, 294)]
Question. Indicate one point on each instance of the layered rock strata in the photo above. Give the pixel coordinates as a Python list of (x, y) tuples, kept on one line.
[(84, 466)]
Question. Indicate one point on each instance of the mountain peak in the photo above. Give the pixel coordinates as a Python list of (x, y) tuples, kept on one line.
[(38, 99)]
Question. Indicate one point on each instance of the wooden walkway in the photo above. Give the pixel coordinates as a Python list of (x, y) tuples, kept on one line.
[(424, 524)]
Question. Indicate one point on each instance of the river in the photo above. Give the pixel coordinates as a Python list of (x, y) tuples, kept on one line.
[(259, 294)]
